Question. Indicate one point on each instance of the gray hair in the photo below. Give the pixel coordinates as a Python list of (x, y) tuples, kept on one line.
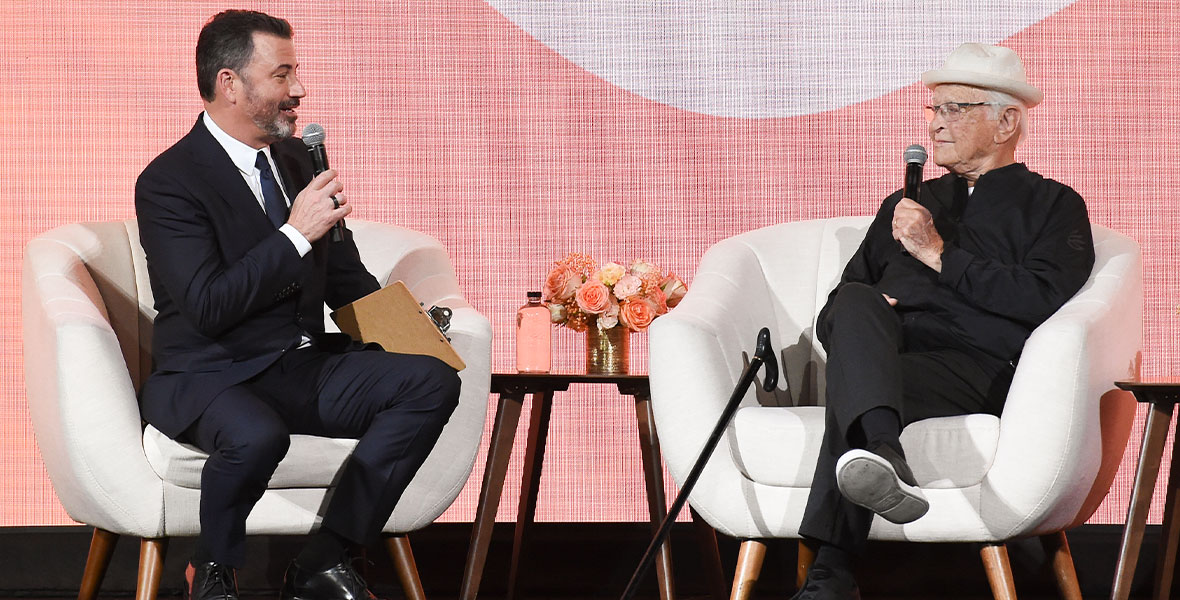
[(1001, 100)]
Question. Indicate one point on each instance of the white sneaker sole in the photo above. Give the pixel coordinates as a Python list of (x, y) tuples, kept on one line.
[(868, 480)]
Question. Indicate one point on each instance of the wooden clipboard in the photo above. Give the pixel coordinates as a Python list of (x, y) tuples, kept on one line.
[(392, 317)]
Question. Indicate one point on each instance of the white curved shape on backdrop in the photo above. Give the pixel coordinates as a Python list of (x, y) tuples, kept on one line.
[(759, 59)]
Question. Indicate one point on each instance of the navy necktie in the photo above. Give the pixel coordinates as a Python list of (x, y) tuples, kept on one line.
[(276, 205)]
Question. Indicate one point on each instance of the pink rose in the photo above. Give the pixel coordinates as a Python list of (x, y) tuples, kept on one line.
[(610, 317), (642, 267), (637, 314), (628, 286), (593, 297), (674, 289), (557, 313), (561, 284)]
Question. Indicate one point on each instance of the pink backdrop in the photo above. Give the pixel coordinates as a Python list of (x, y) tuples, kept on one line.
[(515, 132)]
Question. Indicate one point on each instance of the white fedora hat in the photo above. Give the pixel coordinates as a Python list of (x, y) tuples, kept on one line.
[(990, 67)]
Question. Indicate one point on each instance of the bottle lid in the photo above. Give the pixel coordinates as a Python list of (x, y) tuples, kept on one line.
[(534, 295)]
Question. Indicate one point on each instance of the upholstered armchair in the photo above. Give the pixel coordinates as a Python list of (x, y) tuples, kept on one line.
[(1040, 468), (87, 313)]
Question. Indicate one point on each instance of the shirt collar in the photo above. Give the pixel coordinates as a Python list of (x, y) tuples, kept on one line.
[(242, 155)]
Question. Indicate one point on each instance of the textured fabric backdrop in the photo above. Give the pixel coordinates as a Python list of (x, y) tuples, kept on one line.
[(518, 131)]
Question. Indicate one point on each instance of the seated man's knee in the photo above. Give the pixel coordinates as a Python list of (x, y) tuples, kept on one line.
[(259, 445), (857, 296)]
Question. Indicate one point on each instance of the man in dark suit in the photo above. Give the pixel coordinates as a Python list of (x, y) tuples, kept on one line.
[(234, 228)]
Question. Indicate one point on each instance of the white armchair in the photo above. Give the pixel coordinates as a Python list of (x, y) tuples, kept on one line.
[(87, 314), (1042, 467)]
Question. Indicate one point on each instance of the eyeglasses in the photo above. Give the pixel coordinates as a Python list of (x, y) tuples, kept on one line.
[(951, 111)]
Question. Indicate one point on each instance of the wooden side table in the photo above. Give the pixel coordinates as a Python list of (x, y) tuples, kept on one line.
[(1162, 396), (512, 388)]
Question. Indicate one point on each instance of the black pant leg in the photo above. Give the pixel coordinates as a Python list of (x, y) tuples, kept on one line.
[(869, 367), (245, 439), (395, 404), (863, 372)]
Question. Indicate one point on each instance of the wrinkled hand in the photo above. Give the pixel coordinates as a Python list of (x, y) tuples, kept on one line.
[(314, 212), (914, 228)]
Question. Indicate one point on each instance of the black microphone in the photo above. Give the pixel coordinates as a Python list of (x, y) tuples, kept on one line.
[(313, 138), (915, 158)]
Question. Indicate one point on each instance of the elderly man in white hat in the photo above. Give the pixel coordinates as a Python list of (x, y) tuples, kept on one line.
[(931, 313)]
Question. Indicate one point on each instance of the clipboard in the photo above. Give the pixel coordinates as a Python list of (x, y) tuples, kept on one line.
[(392, 317)]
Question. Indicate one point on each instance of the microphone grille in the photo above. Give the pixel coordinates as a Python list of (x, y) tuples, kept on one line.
[(313, 135), (913, 154)]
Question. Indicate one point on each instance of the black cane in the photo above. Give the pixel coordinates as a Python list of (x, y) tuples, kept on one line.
[(763, 354)]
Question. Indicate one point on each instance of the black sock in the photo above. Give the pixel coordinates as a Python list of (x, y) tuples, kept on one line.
[(325, 549), (882, 425), (835, 558)]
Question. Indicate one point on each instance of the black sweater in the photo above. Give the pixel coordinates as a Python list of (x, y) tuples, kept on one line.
[(1014, 251)]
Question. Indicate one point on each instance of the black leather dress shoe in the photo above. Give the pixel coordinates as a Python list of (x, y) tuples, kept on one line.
[(210, 581), (340, 582), (880, 480), (823, 583)]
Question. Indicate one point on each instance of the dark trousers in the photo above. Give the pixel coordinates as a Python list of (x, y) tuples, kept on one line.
[(871, 364), (395, 404)]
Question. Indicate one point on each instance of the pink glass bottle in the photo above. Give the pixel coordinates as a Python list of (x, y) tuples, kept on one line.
[(533, 336)]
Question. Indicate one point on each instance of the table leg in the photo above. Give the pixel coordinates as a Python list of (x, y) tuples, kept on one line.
[(1165, 563), (1155, 432), (499, 452), (542, 405), (653, 475)]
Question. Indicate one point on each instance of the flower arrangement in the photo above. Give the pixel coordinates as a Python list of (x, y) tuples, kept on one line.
[(581, 294)]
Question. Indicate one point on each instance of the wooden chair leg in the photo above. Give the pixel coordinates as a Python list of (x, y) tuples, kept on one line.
[(407, 569), (151, 567), (806, 558), (749, 565), (999, 571), (102, 546), (1057, 548)]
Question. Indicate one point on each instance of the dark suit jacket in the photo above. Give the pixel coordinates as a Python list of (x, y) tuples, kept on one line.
[(231, 292)]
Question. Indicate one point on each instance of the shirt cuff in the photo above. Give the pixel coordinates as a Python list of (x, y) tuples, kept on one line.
[(954, 263), (301, 244)]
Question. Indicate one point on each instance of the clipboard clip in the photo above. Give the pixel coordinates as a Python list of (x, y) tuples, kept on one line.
[(441, 316)]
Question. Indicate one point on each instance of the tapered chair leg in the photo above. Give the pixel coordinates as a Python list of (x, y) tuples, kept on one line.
[(749, 565), (806, 558), (151, 567), (999, 571), (1057, 549), (407, 569), (102, 546)]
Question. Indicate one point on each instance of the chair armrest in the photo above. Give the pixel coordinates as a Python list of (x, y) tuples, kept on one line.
[(81, 399), (1064, 377)]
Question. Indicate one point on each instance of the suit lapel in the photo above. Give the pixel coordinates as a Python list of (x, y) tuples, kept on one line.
[(223, 176)]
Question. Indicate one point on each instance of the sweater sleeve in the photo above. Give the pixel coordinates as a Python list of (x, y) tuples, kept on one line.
[(1053, 270)]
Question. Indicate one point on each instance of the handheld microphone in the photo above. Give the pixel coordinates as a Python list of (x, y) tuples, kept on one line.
[(915, 158), (313, 138)]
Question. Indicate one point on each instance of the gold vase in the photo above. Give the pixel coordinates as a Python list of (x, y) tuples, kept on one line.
[(607, 351)]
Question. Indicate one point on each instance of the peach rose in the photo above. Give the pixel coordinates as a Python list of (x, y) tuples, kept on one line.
[(637, 314), (561, 284), (628, 286), (658, 299), (674, 289), (593, 297), (610, 273)]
